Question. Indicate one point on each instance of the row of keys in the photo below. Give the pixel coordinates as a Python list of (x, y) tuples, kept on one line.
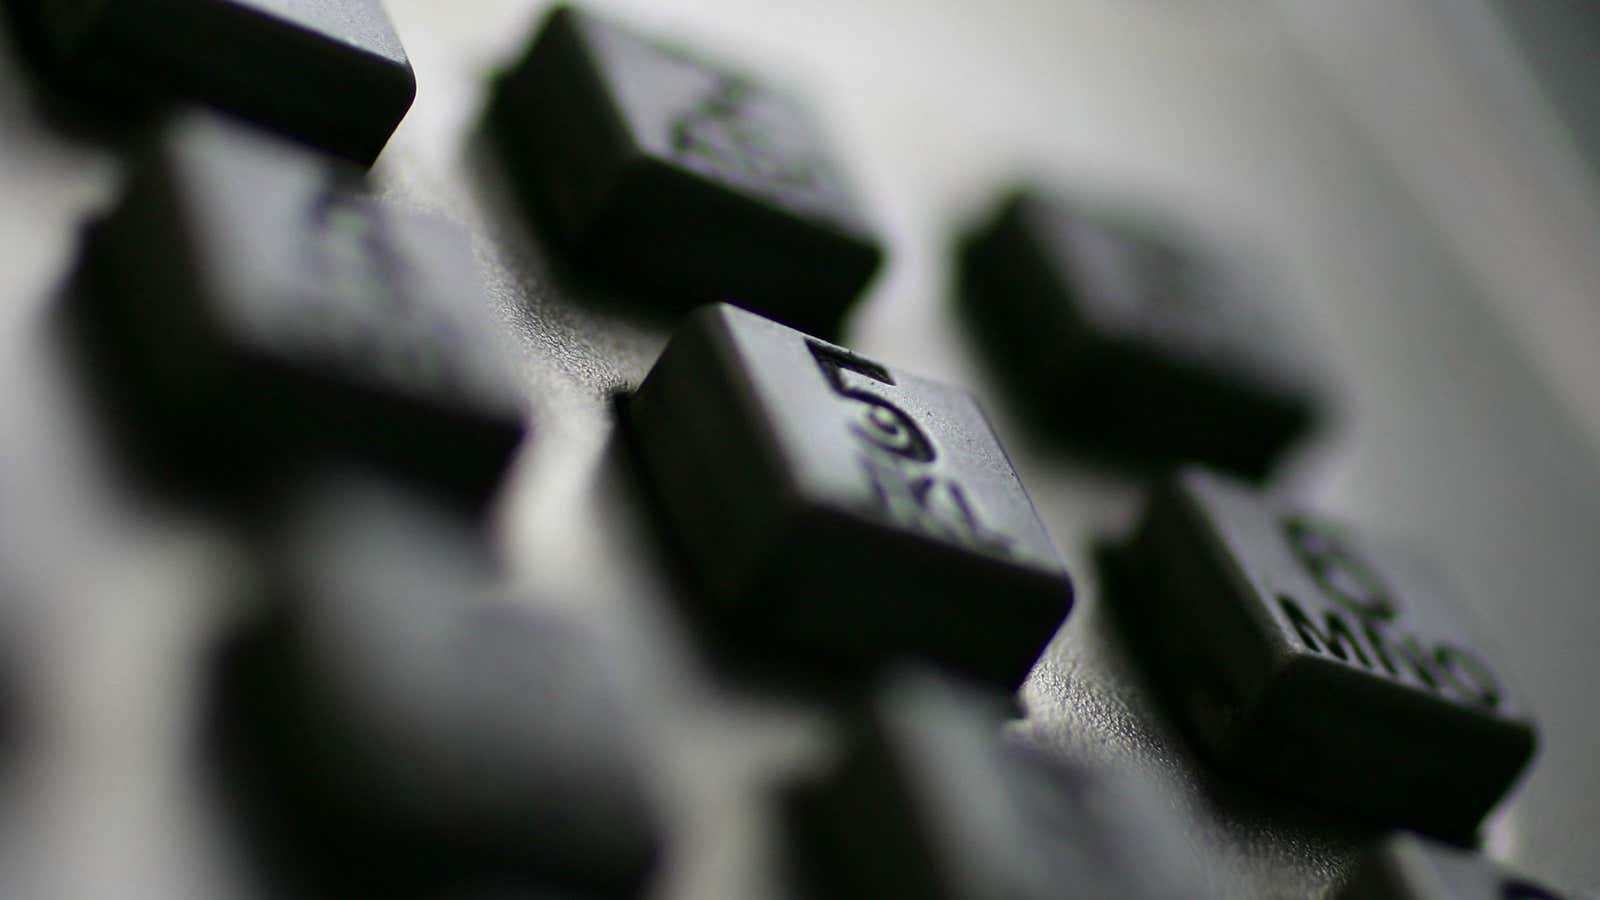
[(832, 504), (400, 722), (933, 800), (689, 183), (399, 705), (679, 182)]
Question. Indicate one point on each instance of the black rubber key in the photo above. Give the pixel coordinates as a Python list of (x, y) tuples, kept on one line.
[(932, 804), (260, 312), (330, 73), (689, 182), (1406, 867), (403, 720), (1318, 662), (843, 509), (1133, 342)]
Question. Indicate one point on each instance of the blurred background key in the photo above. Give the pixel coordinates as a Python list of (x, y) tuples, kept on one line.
[(688, 182), (252, 310), (932, 802), (1134, 338), (331, 74), (403, 724)]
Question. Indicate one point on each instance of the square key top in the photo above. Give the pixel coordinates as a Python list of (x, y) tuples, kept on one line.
[(932, 802), (685, 181), (1320, 662), (1135, 341), (399, 714), (259, 311), (1407, 867), (330, 73), (841, 509)]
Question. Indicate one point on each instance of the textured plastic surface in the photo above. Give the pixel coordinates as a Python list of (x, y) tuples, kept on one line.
[(852, 511), (1406, 867), (690, 182), (255, 309), (1337, 668)]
